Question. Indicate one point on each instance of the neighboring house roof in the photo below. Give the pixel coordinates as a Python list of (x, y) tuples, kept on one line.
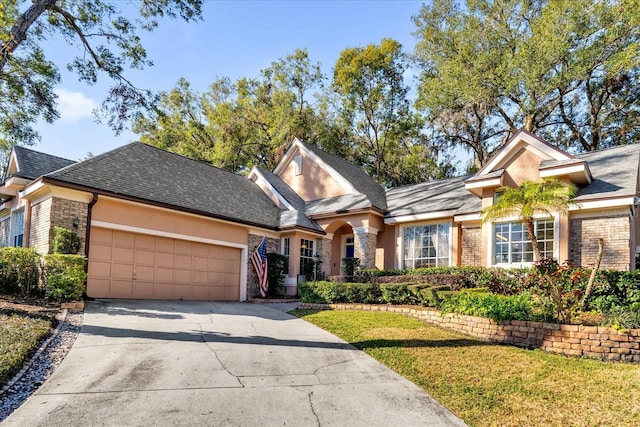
[(358, 178), (33, 164), (432, 196), (290, 217), (614, 171), (144, 173)]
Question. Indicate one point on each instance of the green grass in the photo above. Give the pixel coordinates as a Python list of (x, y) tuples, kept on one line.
[(489, 384), (20, 335)]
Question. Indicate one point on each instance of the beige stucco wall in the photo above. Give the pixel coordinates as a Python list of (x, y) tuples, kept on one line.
[(386, 250), (314, 182), (523, 167), (137, 215)]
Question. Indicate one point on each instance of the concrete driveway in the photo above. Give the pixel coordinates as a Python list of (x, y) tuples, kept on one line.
[(219, 364)]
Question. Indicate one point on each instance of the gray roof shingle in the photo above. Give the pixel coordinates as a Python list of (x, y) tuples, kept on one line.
[(33, 164), (149, 174), (432, 196), (614, 172), (360, 180), (296, 217)]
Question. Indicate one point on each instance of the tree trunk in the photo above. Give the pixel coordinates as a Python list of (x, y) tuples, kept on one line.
[(592, 277), (528, 223), (18, 32)]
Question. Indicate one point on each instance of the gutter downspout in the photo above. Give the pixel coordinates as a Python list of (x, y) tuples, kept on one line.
[(88, 231)]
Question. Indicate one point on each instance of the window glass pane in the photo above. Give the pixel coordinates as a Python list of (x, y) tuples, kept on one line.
[(426, 245), (512, 244)]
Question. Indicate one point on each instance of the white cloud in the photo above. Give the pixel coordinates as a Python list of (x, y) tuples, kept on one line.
[(74, 106)]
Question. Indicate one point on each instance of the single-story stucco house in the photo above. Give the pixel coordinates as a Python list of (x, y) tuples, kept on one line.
[(158, 225)]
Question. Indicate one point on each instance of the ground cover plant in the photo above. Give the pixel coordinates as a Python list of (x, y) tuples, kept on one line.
[(20, 335), (490, 384)]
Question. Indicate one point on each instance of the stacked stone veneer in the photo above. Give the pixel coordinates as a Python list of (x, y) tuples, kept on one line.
[(572, 340), (56, 212), (614, 230), (324, 250), (364, 247), (471, 250), (273, 245)]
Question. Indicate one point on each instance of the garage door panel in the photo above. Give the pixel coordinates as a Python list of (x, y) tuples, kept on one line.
[(145, 257), (164, 260), (182, 277), (121, 289), (216, 252), (145, 242), (145, 273), (122, 271), (99, 269), (130, 265), (164, 275), (199, 277), (182, 262), (143, 289), (101, 252), (165, 245), (123, 239), (200, 263), (123, 254)]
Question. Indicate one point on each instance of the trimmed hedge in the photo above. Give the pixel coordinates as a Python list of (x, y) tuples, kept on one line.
[(64, 277), (484, 304), (19, 271)]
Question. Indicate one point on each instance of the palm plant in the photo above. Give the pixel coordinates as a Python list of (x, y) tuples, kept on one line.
[(530, 199)]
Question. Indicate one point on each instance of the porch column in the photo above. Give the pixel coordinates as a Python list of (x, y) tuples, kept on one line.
[(364, 242), (324, 251)]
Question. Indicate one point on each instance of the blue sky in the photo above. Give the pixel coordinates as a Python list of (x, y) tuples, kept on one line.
[(234, 39)]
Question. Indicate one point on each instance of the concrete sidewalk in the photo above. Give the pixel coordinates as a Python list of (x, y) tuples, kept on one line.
[(219, 364)]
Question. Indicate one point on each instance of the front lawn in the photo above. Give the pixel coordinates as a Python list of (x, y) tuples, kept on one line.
[(20, 335), (489, 384)]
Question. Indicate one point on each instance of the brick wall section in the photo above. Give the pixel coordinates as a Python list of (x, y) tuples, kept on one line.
[(273, 245), (583, 241), (471, 250), (62, 214), (40, 226), (571, 340), (324, 250)]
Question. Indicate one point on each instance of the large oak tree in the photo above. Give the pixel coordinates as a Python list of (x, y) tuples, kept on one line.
[(108, 42)]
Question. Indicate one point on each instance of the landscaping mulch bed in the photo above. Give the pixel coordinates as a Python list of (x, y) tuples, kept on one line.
[(46, 356)]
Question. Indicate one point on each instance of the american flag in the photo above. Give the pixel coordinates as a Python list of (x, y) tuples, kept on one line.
[(259, 261)]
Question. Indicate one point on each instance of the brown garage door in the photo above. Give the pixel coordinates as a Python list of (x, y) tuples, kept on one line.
[(129, 265)]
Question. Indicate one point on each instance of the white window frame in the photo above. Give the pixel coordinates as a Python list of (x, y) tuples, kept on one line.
[(492, 250), (403, 243), (14, 227), (343, 245), (297, 161)]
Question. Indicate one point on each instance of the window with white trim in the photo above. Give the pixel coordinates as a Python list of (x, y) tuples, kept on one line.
[(306, 256), (426, 246), (18, 228), (511, 243)]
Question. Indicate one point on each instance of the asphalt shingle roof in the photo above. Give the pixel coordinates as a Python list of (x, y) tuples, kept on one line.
[(297, 216), (146, 173), (33, 164), (360, 180), (432, 196), (614, 172)]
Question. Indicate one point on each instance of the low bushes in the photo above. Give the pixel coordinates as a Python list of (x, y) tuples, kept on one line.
[(64, 276), (24, 272), (484, 304)]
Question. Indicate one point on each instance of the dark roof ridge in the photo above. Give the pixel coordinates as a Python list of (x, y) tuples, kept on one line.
[(615, 147)]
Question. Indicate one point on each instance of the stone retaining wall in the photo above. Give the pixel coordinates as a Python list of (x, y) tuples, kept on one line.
[(571, 340)]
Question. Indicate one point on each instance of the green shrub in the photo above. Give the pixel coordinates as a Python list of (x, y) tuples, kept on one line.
[(348, 266), (65, 241), (277, 267), (64, 277), (19, 270), (364, 293), (430, 296), (615, 289), (496, 307), (623, 318), (395, 293)]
